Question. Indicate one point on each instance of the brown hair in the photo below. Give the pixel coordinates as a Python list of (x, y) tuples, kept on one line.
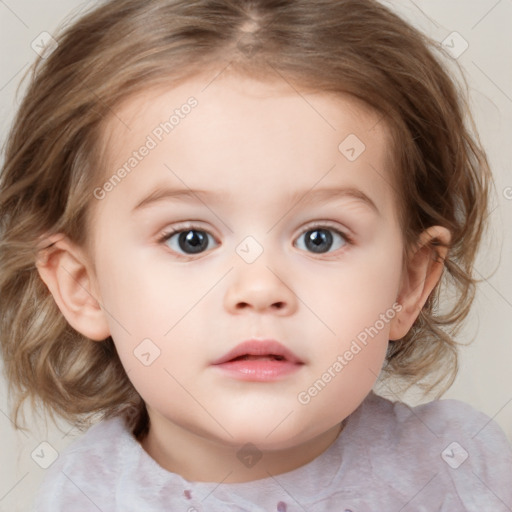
[(355, 47)]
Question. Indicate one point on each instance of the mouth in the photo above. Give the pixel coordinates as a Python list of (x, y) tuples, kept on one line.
[(258, 361), (251, 350)]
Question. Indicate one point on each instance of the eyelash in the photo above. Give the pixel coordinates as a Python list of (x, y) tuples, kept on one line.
[(168, 233)]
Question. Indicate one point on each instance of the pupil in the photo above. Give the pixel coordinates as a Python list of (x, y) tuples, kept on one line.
[(196, 241), (317, 238)]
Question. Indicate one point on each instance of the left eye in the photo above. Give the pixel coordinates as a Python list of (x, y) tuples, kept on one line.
[(190, 241), (320, 239)]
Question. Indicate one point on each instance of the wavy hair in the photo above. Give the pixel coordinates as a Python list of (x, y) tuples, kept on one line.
[(122, 47)]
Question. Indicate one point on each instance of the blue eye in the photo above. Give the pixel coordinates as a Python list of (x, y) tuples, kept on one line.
[(320, 239), (190, 241)]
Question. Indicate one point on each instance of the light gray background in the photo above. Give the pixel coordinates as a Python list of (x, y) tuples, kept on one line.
[(485, 378)]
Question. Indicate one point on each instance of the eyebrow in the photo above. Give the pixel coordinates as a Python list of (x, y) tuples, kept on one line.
[(304, 197)]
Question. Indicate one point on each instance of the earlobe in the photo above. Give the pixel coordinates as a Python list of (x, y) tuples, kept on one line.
[(64, 268), (423, 271)]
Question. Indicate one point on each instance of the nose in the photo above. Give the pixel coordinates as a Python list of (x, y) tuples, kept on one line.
[(258, 287)]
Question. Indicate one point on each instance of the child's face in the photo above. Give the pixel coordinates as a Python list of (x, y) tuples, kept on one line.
[(261, 154)]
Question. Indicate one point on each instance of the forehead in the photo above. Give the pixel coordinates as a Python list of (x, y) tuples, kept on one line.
[(245, 135)]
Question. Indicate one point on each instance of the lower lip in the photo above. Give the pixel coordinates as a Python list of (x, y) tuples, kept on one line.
[(258, 370)]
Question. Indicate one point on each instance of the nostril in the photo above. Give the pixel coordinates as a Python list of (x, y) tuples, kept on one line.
[(275, 305)]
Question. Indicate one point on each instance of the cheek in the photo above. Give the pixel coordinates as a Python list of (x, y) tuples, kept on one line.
[(356, 304), (154, 309), (144, 296), (355, 295)]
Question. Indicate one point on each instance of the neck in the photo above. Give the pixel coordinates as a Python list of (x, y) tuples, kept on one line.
[(198, 459)]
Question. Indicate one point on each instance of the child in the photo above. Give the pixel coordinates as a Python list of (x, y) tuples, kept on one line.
[(255, 131)]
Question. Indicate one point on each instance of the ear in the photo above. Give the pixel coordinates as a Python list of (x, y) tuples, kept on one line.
[(66, 271), (421, 273)]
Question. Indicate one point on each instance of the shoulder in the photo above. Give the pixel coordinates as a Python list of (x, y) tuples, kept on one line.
[(438, 418), (71, 483), (461, 452)]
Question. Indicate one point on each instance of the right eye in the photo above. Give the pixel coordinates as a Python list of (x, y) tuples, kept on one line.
[(188, 240)]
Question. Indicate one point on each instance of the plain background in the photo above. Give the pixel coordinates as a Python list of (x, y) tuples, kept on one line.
[(485, 378)]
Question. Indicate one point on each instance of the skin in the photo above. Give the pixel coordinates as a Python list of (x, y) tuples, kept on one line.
[(255, 144)]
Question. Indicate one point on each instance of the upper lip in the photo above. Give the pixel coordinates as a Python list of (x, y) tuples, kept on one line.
[(259, 348)]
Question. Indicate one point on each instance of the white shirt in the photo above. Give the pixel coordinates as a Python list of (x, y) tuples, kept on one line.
[(441, 456)]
